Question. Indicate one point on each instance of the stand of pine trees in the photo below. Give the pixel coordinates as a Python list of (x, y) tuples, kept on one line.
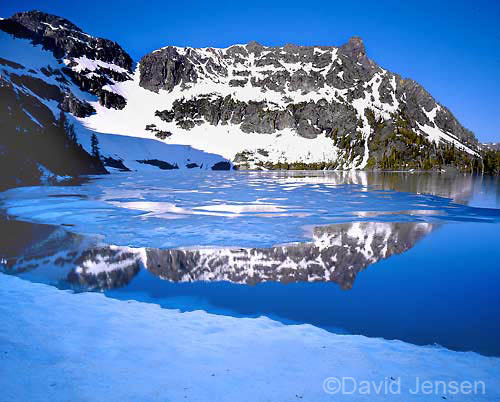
[(59, 151), (26, 145), (491, 161)]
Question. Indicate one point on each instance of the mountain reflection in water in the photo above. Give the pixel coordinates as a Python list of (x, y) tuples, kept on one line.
[(337, 253)]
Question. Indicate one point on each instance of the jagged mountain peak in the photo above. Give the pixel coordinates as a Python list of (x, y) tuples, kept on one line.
[(40, 21), (355, 49), (355, 46), (254, 46)]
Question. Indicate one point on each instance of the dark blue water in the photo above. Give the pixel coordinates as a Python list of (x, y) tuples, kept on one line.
[(445, 290)]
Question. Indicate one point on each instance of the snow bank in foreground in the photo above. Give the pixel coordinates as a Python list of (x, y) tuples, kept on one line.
[(59, 346)]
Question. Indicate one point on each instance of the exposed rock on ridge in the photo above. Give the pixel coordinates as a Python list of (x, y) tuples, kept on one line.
[(311, 90), (91, 63)]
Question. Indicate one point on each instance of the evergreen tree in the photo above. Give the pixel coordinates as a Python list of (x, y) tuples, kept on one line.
[(66, 131), (95, 147), (70, 133), (62, 122)]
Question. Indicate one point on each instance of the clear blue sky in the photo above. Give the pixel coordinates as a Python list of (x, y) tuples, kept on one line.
[(451, 47)]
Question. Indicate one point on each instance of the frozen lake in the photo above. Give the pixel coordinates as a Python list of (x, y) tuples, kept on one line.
[(413, 257)]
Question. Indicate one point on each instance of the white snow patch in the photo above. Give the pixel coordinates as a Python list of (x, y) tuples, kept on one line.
[(84, 63), (197, 356)]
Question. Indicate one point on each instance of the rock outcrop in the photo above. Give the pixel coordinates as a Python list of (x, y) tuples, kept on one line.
[(90, 62)]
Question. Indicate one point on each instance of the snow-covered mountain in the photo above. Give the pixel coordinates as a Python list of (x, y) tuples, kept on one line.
[(49, 66), (248, 105), (492, 146), (309, 104)]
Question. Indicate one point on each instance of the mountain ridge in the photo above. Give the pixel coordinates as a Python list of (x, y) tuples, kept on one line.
[(348, 66), (257, 107)]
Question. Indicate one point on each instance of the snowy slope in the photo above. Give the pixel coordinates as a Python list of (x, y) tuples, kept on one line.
[(229, 139), (74, 85), (187, 81), (226, 140), (131, 351)]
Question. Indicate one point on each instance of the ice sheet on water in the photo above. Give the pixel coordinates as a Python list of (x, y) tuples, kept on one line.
[(244, 209)]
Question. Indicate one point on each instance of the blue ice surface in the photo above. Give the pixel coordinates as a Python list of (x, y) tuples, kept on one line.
[(241, 209)]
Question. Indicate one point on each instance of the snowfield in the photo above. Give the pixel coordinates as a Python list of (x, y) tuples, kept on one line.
[(59, 346)]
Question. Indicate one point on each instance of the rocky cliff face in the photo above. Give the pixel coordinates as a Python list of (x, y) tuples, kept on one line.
[(311, 91), (91, 63)]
